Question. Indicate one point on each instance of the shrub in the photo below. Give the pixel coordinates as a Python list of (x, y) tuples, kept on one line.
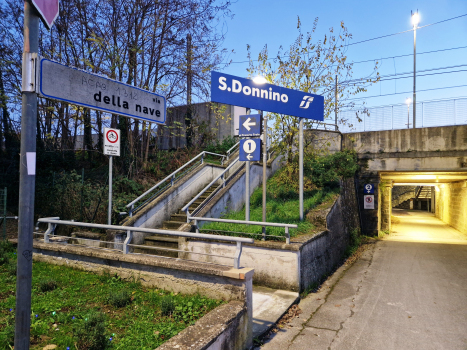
[(47, 285), (91, 332), (120, 299), (3, 257), (11, 268), (167, 305)]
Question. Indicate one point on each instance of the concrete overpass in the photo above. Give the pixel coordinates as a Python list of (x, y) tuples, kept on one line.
[(434, 157)]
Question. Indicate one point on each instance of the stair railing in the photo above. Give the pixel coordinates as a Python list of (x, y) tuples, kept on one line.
[(172, 177), (220, 176), (125, 247)]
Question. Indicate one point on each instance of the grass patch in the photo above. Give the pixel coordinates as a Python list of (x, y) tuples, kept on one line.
[(78, 311), (282, 206)]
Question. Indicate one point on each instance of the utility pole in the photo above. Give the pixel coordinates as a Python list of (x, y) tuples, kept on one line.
[(189, 133), (247, 184), (27, 174), (265, 160), (336, 96)]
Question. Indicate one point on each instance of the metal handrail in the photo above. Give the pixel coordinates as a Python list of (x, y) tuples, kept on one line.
[(232, 148), (221, 175), (247, 222), (52, 223), (171, 177)]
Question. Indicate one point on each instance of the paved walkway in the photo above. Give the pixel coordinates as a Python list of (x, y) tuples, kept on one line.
[(407, 291)]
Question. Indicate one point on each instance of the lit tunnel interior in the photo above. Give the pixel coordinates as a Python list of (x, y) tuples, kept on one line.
[(441, 195)]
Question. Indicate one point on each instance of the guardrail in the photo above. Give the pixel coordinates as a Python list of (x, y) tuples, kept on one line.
[(172, 177), (53, 222), (258, 223), (220, 176)]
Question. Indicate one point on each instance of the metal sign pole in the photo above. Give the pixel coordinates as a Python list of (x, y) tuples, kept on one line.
[(27, 182), (300, 161), (109, 213), (265, 159), (247, 185)]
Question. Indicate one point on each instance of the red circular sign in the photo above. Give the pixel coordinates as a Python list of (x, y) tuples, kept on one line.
[(369, 199), (111, 136)]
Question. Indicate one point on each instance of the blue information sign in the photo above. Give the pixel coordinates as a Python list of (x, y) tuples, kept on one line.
[(369, 189), (243, 92), (250, 150), (250, 125)]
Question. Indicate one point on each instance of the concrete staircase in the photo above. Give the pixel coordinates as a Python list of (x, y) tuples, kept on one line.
[(424, 193), (176, 221)]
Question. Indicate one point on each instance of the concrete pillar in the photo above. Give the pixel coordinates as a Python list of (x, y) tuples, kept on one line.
[(385, 191), (433, 199), (419, 204)]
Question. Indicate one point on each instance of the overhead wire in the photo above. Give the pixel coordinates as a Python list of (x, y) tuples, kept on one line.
[(381, 37)]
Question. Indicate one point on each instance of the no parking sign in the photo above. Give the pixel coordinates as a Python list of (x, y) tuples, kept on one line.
[(369, 202)]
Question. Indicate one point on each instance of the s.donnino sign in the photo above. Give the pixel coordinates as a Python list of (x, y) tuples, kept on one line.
[(243, 92)]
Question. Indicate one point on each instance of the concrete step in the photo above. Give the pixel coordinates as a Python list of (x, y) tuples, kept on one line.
[(172, 225), (159, 241), (178, 217)]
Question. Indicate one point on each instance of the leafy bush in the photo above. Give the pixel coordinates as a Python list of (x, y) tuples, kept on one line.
[(11, 268), (3, 257), (7, 246), (325, 171), (221, 147), (47, 285), (7, 334), (167, 305), (90, 333), (120, 298)]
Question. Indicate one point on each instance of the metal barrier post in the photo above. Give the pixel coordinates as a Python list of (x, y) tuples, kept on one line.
[(127, 241), (130, 212), (238, 253), (50, 229), (196, 226), (202, 158), (287, 235)]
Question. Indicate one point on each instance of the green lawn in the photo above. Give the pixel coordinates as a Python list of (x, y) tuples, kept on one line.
[(282, 206), (80, 310)]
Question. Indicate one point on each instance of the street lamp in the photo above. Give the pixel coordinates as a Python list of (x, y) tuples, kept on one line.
[(415, 21), (407, 101)]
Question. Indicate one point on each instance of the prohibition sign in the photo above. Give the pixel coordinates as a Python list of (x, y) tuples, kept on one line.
[(369, 199), (111, 136)]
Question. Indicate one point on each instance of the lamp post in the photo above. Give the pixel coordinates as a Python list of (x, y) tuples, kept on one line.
[(415, 21), (262, 80), (408, 100)]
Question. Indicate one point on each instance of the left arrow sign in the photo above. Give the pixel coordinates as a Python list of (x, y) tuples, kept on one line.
[(247, 124)]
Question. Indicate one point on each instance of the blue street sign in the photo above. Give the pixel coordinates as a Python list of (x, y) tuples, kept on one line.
[(250, 125), (369, 189), (243, 92), (250, 150)]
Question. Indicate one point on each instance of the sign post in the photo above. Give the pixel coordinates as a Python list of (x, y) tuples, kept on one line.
[(111, 148), (27, 181), (250, 149)]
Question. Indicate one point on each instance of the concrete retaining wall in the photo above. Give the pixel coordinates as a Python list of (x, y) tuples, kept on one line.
[(298, 265), (230, 324), (451, 204)]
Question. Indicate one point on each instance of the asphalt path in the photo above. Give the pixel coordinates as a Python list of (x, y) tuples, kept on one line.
[(406, 291)]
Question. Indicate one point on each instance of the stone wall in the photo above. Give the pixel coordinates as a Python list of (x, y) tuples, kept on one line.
[(451, 204)]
